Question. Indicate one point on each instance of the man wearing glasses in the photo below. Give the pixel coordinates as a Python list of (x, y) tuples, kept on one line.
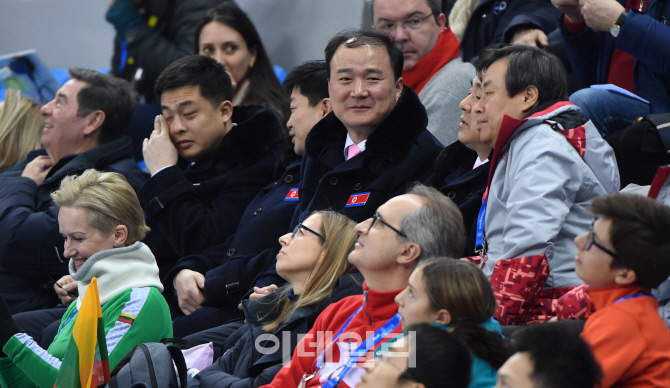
[(433, 67), (420, 224)]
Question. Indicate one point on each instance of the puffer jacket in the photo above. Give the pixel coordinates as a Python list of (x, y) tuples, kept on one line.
[(545, 170), (244, 365)]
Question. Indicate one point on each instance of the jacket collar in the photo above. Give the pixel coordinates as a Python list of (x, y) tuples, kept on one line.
[(257, 130), (605, 296), (511, 127), (452, 157), (98, 157), (391, 140), (378, 305)]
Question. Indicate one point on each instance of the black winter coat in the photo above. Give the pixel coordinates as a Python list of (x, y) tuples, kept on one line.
[(194, 209), (243, 365), (29, 234), (400, 151), (495, 21), (152, 49), (230, 268), (455, 178)]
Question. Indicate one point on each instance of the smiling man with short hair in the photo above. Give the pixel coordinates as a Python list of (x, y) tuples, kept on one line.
[(432, 65)]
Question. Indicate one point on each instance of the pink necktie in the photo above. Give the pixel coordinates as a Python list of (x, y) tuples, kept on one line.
[(352, 151)]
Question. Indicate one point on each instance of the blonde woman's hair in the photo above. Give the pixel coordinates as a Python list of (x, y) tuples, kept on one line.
[(21, 126), (109, 199), (340, 239)]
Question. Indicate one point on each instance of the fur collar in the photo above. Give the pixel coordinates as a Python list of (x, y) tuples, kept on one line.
[(391, 140), (257, 131), (117, 270)]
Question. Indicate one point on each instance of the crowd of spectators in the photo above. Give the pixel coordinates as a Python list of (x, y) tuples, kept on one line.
[(427, 203)]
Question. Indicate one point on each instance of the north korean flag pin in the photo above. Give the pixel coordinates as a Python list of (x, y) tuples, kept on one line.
[(358, 199), (292, 195)]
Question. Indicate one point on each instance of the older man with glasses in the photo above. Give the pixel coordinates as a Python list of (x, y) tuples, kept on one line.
[(433, 67), (404, 230)]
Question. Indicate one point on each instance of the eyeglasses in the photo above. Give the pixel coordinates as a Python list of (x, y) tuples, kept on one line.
[(376, 217), (403, 372), (301, 226), (413, 23), (592, 241)]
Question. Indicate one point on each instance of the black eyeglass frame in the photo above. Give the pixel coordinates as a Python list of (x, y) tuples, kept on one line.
[(376, 217), (301, 226), (404, 23), (592, 241)]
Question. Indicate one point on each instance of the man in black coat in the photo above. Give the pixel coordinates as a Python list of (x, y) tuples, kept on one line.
[(375, 141), (210, 285), (83, 127), (207, 160)]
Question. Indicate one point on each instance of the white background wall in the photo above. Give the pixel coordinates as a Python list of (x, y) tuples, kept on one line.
[(75, 33)]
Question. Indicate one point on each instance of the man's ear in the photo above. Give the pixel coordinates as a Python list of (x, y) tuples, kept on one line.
[(93, 121), (326, 107), (441, 20), (530, 98), (625, 277), (398, 88), (120, 235), (226, 110), (409, 255)]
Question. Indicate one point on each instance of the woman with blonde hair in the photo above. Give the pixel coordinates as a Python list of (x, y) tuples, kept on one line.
[(313, 260), (21, 127), (102, 223)]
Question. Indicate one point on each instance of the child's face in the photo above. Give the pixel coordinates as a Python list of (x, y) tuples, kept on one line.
[(593, 265)]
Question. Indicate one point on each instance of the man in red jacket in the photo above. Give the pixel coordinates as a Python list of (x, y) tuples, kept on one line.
[(407, 228)]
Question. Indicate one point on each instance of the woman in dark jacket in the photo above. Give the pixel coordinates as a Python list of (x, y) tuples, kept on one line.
[(313, 259)]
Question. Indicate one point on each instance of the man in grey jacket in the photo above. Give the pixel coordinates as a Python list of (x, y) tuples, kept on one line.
[(433, 67), (549, 162)]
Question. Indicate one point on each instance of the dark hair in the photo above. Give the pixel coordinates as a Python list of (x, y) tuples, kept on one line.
[(311, 78), (561, 358), (640, 235), (434, 5), (439, 356), (197, 70), (437, 226), (462, 289), (112, 95), (264, 87), (528, 66), (357, 38)]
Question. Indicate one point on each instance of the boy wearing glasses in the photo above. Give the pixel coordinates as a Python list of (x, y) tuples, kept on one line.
[(624, 255)]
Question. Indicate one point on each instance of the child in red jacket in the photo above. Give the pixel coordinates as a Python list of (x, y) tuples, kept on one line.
[(624, 255)]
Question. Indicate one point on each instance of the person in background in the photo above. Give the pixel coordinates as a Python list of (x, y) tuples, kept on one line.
[(102, 224), (436, 358), (432, 65), (549, 355), (313, 260), (151, 34), (226, 34), (457, 296), (21, 127)]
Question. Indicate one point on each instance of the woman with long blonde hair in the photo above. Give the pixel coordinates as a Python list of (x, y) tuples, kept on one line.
[(313, 260), (21, 127)]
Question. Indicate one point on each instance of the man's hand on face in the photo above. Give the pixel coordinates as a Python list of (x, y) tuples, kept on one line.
[(158, 150), (190, 285), (38, 169), (599, 15), (571, 8), (530, 37)]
